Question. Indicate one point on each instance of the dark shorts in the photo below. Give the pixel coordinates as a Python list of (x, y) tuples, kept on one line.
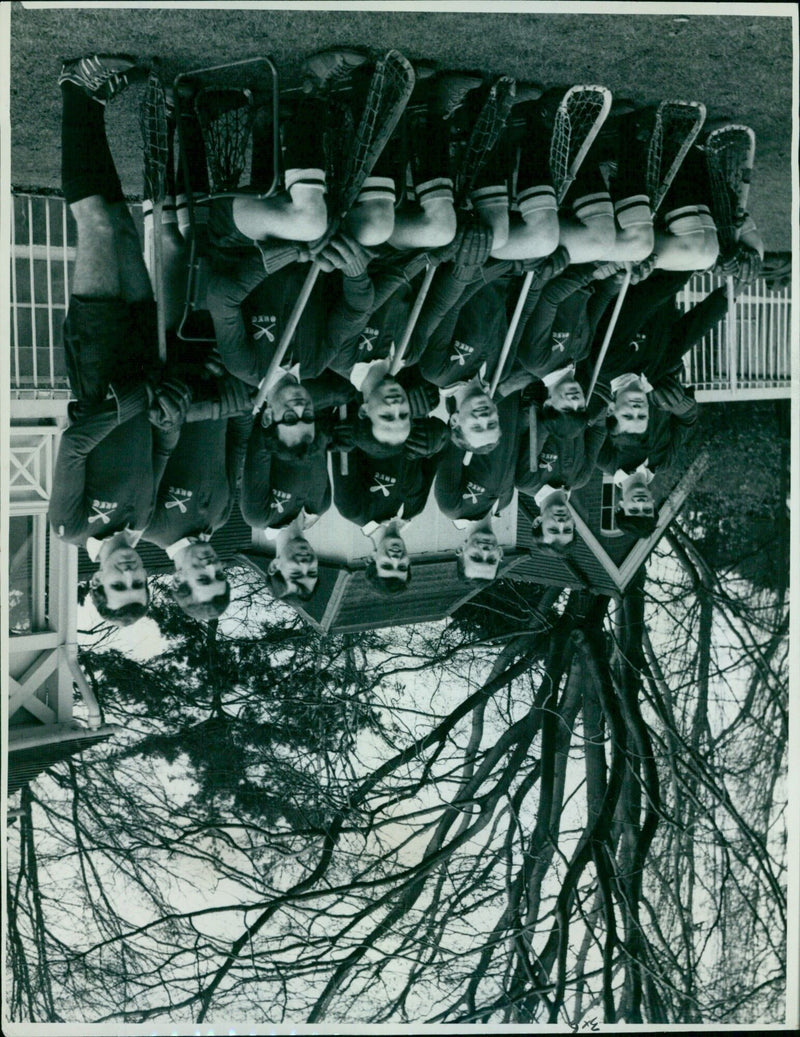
[(222, 231), (108, 340)]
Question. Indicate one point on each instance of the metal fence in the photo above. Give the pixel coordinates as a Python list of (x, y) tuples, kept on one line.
[(752, 363), (43, 254)]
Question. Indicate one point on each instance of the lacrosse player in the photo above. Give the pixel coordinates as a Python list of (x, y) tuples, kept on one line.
[(566, 450), (286, 467), (195, 497), (103, 483), (382, 494), (486, 484)]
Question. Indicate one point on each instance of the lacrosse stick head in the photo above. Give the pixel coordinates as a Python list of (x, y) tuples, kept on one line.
[(675, 129), (578, 120), (226, 116), (387, 96), (730, 153), (485, 134), (154, 127)]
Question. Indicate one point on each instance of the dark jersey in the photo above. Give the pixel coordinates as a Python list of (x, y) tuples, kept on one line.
[(275, 489), (103, 480), (560, 322), (251, 311), (374, 488), (197, 489), (560, 461), (458, 348), (652, 335), (471, 491)]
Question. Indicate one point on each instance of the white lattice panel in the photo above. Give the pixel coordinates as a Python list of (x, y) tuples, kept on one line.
[(31, 469)]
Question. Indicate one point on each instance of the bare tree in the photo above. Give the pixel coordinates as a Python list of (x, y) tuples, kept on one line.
[(580, 822)]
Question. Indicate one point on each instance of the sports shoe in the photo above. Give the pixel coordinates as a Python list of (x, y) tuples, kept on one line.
[(639, 124), (102, 76), (528, 91), (714, 122), (606, 147), (543, 111), (450, 92), (329, 69), (424, 70)]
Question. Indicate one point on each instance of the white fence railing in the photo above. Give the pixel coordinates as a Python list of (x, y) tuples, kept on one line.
[(42, 257), (754, 362), (43, 242)]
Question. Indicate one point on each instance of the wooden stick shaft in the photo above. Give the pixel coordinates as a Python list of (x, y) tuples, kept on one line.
[(158, 280), (288, 334), (344, 464), (506, 347), (512, 330), (413, 317), (609, 332)]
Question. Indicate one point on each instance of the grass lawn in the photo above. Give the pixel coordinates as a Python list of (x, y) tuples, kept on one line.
[(740, 66)]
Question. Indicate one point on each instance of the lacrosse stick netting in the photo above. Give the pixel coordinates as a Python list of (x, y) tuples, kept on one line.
[(226, 116), (578, 119), (730, 152), (676, 128)]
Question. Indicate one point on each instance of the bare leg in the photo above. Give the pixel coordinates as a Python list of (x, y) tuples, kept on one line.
[(530, 238), (96, 272), (299, 214), (588, 232), (432, 225), (633, 244), (689, 241), (371, 220), (533, 231), (134, 280)]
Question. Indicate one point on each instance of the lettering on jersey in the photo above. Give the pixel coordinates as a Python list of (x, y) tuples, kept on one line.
[(547, 460), (102, 511), (179, 498), (367, 338), (463, 352), (264, 327), (278, 499), (383, 484), (474, 491), (560, 339)]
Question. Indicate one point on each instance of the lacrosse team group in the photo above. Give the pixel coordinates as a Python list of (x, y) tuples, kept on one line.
[(495, 311)]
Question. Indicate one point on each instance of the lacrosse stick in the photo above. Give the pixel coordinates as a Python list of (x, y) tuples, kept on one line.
[(485, 134), (676, 128), (155, 149), (388, 94), (489, 124), (413, 317), (730, 152), (579, 118), (226, 116)]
